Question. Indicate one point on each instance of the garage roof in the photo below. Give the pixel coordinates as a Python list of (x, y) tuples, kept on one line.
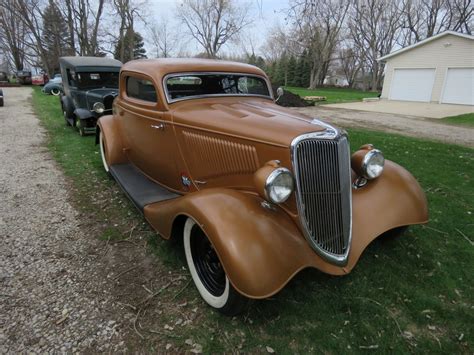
[(400, 51)]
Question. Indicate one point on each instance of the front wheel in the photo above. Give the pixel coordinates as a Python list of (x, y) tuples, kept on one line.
[(102, 152), (208, 274), (55, 92)]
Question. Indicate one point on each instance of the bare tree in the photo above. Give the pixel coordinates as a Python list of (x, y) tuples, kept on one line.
[(426, 18), (31, 18), (127, 11), (164, 38), (350, 62), (213, 23), (375, 26), (316, 27), (12, 34), (277, 43)]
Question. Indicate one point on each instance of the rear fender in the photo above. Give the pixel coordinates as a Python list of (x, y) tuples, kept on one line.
[(110, 128)]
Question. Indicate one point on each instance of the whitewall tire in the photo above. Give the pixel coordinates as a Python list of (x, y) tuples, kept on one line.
[(208, 274), (102, 151)]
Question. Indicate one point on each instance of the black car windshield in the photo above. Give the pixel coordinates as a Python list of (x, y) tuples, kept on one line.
[(93, 80), (186, 86)]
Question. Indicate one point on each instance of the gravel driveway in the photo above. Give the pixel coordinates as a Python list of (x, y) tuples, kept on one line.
[(52, 294), (387, 122)]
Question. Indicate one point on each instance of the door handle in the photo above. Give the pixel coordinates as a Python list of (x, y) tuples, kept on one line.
[(160, 126)]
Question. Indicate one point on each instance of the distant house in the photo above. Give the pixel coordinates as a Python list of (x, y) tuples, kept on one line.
[(336, 80), (438, 69)]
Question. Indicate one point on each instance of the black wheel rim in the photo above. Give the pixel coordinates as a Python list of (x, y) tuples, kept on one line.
[(207, 263)]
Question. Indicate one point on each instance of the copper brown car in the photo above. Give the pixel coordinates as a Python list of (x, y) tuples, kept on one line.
[(257, 192)]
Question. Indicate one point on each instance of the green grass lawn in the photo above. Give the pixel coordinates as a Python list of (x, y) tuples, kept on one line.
[(461, 120), (333, 95), (408, 294)]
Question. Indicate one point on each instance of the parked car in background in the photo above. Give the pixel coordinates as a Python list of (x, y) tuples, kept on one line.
[(53, 87), (24, 77), (90, 85), (4, 78), (257, 192), (40, 79), (57, 78)]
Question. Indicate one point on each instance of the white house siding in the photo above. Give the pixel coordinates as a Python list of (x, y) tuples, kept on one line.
[(448, 51)]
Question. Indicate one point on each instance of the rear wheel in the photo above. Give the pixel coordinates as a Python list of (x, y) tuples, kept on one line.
[(208, 274)]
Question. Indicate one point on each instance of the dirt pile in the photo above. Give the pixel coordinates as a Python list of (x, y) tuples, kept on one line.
[(292, 100)]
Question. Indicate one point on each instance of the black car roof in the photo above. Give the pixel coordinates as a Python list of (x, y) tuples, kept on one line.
[(89, 61)]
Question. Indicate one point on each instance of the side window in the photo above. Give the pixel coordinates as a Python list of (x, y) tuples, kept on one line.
[(71, 77), (141, 89)]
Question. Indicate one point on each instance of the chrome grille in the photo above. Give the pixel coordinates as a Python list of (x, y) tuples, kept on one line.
[(322, 171)]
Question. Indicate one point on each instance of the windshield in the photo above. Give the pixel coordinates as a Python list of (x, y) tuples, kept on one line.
[(185, 86), (84, 80)]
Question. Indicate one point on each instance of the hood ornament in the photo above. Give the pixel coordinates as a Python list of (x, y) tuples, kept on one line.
[(329, 129)]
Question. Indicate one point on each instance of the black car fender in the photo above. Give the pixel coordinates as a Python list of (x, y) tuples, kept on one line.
[(83, 114), (67, 106)]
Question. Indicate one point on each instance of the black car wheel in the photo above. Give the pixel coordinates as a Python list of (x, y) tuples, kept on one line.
[(208, 274), (55, 92)]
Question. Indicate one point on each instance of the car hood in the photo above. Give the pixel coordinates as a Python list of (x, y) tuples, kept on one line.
[(254, 119)]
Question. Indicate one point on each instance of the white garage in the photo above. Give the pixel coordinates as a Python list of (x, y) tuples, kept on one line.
[(459, 86), (412, 84), (439, 69)]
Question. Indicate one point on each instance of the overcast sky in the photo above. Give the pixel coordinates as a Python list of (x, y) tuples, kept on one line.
[(266, 13)]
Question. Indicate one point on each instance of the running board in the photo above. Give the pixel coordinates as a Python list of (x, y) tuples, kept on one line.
[(141, 190)]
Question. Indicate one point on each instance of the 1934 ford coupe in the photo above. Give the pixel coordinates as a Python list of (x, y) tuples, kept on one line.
[(256, 191)]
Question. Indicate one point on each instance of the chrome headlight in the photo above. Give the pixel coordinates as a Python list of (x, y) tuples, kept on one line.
[(372, 164), (279, 185), (98, 107)]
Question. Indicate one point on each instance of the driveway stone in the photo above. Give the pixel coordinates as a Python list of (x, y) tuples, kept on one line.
[(407, 108), (395, 123)]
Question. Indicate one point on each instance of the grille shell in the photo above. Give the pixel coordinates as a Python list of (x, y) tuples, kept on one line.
[(321, 162)]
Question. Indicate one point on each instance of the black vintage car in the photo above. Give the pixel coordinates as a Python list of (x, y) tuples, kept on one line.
[(24, 77), (90, 85)]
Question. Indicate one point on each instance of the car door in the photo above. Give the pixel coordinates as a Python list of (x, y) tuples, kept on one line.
[(149, 135)]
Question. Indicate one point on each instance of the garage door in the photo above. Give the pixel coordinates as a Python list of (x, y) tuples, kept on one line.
[(412, 84), (459, 86)]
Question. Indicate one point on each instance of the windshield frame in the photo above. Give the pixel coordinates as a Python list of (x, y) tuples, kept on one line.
[(173, 75), (87, 88)]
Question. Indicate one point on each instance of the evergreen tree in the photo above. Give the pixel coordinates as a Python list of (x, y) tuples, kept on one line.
[(281, 71), (134, 41), (302, 73), (55, 37), (291, 72), (270, 70)]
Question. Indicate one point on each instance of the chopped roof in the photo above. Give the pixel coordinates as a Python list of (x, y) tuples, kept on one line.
[(445, 33), (90, 61), (163, 66)]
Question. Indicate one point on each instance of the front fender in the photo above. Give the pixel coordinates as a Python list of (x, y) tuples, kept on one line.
[(393, 200), (110, 128), (260, 249), (83, 114)]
